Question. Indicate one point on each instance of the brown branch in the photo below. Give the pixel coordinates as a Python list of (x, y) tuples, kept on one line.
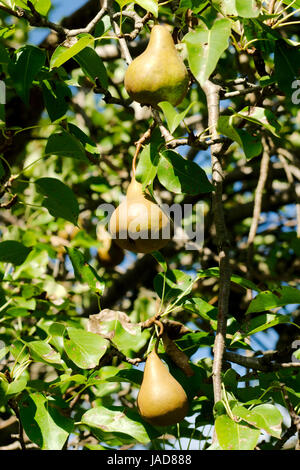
[(262, 363), (211, 91), (263, 175), (91, 26)]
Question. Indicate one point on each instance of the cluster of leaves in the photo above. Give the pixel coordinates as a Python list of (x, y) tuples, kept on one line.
[(63, 153)]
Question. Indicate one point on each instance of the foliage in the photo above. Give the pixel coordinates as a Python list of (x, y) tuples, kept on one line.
[(70, 374)]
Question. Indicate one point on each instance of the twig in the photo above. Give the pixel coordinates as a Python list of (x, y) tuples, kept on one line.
[(261, 363), (211, 91), (264, 167), (146, 136), (122, 42), (35, 19), (138, 23), (90, 27), (14, 407)]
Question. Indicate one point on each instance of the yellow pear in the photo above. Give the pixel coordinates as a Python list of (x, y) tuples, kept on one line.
[(159, 73), (161, 400), (138, 224), (109, 253)]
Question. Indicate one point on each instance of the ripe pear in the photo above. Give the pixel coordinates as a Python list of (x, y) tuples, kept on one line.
[(158, 74), (138, 224), (161, 400), (109, 254)]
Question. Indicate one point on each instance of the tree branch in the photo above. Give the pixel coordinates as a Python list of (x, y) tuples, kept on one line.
[(213, 102)]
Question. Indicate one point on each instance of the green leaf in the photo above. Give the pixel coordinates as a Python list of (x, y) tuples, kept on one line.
[(43, 352), (43, 422), (235, 436), (182, 176), (84, 272), (84, 348), (41, 6), (265, 416), (250, 144), (176, 283), (205, 47), (17, 312), (59, 199), (64, 144), (92, 65), (278, 298), (63, 54), (17, 386), (30, 60), (146, 169), (262, 117), (116, 421), (202, 308), (4, 55), (172, 116), (56, 98), (242, 8), (13, 252), (260, 323), (286, 61), (215, 272)]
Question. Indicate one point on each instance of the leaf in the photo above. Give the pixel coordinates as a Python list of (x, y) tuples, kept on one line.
[(242, 8), (260, 323), (63, 54), (146, 169), (235, 436), (13, 252), (92, 65), (118, 327), (43, 422), (41, 6), (59, 199), (215, 272), (149, 5), (266, 417), (64, 144), (30, 60), (17, 386), (176, 283), (278, 298), (56, 97), (262, 117), (205, 47), (172, 116), (286, 61), (248, 9), (115, 421), (84, 348), (182, 176), (202, 308), (84, 272), (43, 352), (250, 144)]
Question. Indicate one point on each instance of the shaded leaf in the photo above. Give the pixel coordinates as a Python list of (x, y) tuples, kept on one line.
[(59, 199)]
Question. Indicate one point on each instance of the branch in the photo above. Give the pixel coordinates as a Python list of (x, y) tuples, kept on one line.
[(212, 91), (263, 175), (35, 19), (90, 27), (263, 363)]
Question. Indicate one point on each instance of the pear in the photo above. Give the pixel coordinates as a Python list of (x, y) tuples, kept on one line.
[(158, 74), (109, 253), (138, 224), (161, 400)]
